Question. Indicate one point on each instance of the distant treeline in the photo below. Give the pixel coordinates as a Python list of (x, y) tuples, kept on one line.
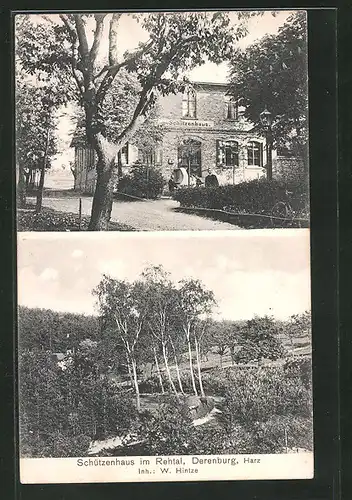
[(58, 331), (54, 331)]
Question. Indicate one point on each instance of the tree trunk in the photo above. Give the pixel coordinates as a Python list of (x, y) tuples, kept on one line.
[(168, 370), (199, 369), (103, 197), (129, 370), (21, 188), (177, 368), (220, 360), (106, 170), (159, 372), (191, 367), (135, 380), (39, 203), (178, 376)]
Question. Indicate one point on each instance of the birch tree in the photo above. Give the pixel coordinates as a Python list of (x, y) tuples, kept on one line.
[(120, 304), (194, 302), (160, 294)]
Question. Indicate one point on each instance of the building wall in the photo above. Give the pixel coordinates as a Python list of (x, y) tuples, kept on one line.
[(85, 163), (209, 126)]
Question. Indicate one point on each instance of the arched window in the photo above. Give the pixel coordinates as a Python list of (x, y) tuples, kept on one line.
[(231, 109), (227, 153), (189, 103), (255, 154)]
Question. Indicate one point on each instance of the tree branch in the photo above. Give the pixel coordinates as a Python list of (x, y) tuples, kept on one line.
[(133, 57), (99, 19), (82, 37), (72, 32), (113, 43)]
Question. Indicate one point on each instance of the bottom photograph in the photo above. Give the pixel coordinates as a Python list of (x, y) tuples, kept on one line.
[(164, 356)]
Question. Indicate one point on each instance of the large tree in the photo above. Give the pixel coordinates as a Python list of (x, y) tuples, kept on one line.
[(272, 74), (177, 42)]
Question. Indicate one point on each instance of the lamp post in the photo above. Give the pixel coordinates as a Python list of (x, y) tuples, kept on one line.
[(266, 121)]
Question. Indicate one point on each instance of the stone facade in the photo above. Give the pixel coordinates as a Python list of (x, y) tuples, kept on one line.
[(202, 130), (208, 128)]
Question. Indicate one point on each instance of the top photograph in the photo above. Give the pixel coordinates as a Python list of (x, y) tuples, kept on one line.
[(161, 121)]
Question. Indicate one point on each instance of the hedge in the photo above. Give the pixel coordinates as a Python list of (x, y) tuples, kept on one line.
[(256, 196)]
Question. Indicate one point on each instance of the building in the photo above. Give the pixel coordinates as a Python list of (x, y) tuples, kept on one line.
[(203, 128)]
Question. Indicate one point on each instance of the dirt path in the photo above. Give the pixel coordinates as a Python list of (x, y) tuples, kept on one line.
[(151, 215)]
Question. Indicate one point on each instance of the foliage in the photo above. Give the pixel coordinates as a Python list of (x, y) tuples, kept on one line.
[(259, 339), (143, 181), (33, 119), (64, 405), (54, 331), (272, 73), (299, 367), (265, 403), (256, 196), (59, 221), (63, 409), (263, 411)]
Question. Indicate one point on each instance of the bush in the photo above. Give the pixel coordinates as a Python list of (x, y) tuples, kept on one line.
[(256, 395), (142, 182), (263, 411), (252, 197), (299, 367), (259, 339), (62, 410), (151, 385)]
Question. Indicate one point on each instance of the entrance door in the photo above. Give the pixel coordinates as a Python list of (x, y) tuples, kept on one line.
[(189, 156)]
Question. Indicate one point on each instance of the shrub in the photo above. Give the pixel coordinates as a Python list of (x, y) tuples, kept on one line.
[(152, 385), (62, 410), (299, 367), (256, 196), (143, 182), (259, 339), (263, 411), (258, 394)]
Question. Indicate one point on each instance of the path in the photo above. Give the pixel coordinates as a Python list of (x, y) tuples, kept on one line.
[(151, 215)]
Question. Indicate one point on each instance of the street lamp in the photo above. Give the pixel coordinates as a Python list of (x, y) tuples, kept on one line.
[(266, 121)]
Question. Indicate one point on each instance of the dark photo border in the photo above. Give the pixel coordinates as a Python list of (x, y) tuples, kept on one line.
[(323, 173)]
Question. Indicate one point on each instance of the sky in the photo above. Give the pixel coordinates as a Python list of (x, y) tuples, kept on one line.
[(250, 272)]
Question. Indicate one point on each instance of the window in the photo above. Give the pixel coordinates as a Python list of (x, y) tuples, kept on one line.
[(152, 156), (232, 110), (189, 103), (189, 156), (255, 154), (122, 155), (227, 153)]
